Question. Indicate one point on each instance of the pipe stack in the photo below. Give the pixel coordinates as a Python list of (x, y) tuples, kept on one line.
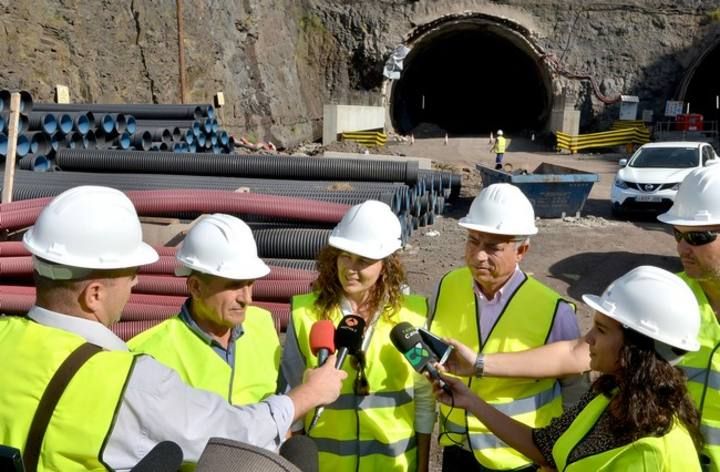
[(143, 127)]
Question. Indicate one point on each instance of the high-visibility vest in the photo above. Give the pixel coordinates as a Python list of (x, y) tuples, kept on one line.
[(85, 413), (672, 452), (500, 145), (703, 372), (374, 432), (257, 357), (525, 323)]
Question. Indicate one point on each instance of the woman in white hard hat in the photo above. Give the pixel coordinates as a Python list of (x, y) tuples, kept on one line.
[(638, 414), (385, 413)]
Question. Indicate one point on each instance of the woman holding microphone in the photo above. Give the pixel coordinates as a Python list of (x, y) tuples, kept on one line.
[(637, 415), (385, 414)]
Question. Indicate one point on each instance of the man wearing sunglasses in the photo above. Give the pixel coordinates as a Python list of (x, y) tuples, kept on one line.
[(695, 220)]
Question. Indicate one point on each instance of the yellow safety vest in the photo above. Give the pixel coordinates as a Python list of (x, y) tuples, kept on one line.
[(524, 324), (703, 372), (85, 414), (500, 145), (672, 452), (257, 357), (373, 432)]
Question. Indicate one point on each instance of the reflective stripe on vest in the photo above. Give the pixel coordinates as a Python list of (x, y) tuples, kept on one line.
[(257, 357), (532, 402), (671, 452), (376, 431), (703, 371), (85, 414)]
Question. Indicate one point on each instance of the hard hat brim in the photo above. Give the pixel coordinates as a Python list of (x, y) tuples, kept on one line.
[(493, 230), (595, 302), (670, 219), (363, 250), (254, 271), (143, 255)]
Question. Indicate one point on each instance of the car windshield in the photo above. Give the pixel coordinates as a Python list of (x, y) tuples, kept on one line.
[(674, 158)]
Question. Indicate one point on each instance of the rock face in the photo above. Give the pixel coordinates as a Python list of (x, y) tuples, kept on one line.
[(278, 61)]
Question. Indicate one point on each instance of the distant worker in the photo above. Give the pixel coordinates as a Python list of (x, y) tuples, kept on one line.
[(72, 396), (638, 416), (491, 305), (219, 342), (498, 148)]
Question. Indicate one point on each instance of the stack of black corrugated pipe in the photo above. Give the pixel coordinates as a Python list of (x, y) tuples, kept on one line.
[(284, 239), (143, 127)]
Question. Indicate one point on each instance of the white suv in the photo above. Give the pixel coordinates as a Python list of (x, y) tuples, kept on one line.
[(649, 180)]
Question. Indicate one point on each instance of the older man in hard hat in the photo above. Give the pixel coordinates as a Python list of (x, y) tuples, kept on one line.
[(73, 397), (492, 305), (217, 328), (695, 220)]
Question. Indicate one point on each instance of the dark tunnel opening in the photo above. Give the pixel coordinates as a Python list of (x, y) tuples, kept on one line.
[(470, 80), (703, 88)]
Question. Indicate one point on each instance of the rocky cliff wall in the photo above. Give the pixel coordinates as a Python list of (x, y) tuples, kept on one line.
[(278, 61)]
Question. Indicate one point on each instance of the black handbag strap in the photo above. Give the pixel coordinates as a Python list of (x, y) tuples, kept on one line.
[(49, 400)]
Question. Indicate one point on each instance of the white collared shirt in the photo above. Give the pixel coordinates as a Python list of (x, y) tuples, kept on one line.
[(158, 406)]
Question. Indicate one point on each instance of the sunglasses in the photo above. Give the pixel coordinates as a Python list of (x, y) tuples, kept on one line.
[(361, 386), (696, 238)]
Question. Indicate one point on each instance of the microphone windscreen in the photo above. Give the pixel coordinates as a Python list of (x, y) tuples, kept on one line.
[(166, 456), (404, 336), (407, 340), (349, 333), (322, 336), (302, 452)]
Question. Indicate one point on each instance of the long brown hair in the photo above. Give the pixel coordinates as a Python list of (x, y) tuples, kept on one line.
[(387, 290), (651, 395)]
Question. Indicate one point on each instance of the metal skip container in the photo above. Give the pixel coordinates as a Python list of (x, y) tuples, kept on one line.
[(554, 191)]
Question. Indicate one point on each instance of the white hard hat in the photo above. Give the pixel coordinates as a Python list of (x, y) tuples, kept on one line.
[(221, 245), (89, 227), (501, 209), (653, 302), (697, 202), (499, 133), (369, 229)]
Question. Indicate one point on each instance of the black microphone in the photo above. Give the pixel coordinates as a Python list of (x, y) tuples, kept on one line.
[(348, 337), (407, 340), (348, 340), (166, 456), (302, 452)]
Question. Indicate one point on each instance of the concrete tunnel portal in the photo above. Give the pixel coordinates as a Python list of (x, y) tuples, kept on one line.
[(471, 77)]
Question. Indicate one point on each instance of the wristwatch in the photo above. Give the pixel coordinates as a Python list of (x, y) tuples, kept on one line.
[(479, 365)]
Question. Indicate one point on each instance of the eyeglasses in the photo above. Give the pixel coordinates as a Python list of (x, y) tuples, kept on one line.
[(360, 385), (696, 238)]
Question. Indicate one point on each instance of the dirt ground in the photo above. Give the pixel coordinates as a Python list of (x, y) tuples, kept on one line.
[(573, 255)]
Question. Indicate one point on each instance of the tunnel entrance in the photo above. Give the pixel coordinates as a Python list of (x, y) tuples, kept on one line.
[(469, 78), (703, 88)]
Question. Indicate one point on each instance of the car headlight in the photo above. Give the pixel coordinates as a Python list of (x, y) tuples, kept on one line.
[(620, 183), (675, 186)]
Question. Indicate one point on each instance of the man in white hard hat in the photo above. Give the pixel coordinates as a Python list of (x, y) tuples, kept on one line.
[(498, 148), (217, 327), (695, 218), (492, 305), (73, 397)]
